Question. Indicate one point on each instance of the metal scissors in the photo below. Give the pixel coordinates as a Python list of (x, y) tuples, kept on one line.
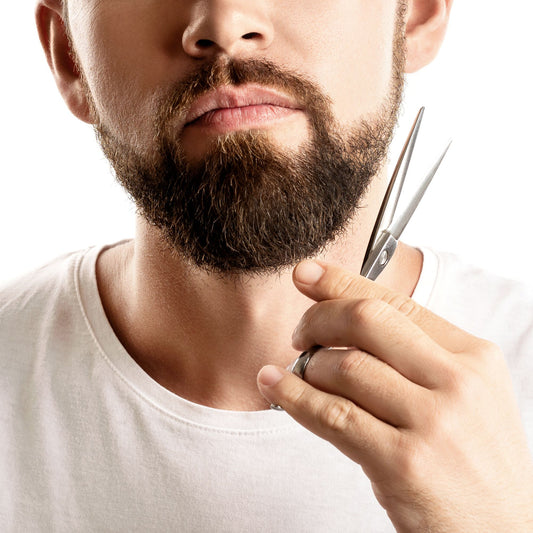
[(386, 231)]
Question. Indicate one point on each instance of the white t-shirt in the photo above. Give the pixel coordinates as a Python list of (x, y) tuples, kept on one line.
[(89, 442)]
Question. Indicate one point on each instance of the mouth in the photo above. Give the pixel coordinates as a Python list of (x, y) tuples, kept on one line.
[(235, 108)]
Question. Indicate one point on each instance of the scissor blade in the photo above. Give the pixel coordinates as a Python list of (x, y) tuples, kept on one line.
[(397, 227), (388, 207), (407, 151)]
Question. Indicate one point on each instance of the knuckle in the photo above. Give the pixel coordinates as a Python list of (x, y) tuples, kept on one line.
[(481, 363), (367, 311), (465, 386), (297, 394), (410, 460), (403, 304), (337, 415), (456, 378), (345, 286), (352, 364), (488, 353), (487, 363)]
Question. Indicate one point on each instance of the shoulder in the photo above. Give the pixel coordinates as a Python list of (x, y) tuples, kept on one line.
[(31, 291), (42, 303), (36, 311), (43, 323)]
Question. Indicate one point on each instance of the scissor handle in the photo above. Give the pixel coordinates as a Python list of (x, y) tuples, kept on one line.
[(379, 256)]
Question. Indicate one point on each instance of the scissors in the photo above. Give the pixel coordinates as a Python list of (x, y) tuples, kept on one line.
[(387, 230)]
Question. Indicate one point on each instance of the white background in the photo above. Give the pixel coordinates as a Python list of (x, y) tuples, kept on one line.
[(57, 193)]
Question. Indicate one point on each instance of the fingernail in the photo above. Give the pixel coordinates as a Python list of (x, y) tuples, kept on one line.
[(269, 375), (308, 272)]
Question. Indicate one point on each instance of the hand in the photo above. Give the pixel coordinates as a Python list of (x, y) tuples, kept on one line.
[(426, 409)]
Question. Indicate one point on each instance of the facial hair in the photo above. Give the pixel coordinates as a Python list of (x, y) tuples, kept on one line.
[(248, 206)]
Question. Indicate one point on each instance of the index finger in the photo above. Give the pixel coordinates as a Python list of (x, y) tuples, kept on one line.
[(322, 281)]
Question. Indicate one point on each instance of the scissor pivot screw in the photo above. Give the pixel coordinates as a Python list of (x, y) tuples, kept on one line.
[(384, 257)]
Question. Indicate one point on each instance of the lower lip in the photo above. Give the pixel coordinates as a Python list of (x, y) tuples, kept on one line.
[(242, 118)]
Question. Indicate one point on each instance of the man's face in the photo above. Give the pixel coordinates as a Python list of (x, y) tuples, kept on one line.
[(258, 187)]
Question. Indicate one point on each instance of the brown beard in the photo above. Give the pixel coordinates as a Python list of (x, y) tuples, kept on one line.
[(248, 206)]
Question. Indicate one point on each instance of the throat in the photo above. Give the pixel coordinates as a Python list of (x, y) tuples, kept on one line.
[(205, 338), (202, 339)]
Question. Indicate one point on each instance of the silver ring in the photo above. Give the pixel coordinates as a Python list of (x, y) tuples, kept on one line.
[(299, 366), (298, 369)]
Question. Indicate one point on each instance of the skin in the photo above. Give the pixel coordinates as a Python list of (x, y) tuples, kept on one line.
[(157, 304), (426, 409)]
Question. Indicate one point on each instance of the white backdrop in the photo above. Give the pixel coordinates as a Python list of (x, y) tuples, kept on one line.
[(57, 193)]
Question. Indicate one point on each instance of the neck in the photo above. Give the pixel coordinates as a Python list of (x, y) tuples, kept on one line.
[(205, 337)]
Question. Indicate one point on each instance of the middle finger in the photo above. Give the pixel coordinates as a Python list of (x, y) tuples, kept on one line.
[(369, 383)]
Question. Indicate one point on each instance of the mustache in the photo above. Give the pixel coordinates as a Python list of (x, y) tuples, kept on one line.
[(219, 72)]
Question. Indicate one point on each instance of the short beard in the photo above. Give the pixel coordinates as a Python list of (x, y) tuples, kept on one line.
[(248, 207)]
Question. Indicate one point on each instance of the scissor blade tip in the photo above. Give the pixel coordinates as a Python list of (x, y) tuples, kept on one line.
[(447, 147)]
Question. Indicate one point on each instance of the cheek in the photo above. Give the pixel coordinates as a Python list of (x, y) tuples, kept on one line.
[(348, 49), (125, 60), (128, 54)]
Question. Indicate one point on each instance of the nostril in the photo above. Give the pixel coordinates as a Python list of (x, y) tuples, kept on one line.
[(251, 35), (204, 43)]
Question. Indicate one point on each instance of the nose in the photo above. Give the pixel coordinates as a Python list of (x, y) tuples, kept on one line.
[(233, 27)]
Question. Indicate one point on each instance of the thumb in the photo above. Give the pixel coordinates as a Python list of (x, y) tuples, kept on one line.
[(322, 281)]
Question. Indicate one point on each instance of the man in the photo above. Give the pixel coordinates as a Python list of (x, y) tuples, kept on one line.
[(137, 378)]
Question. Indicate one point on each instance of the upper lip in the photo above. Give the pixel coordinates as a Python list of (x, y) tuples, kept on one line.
[(231, 97)]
